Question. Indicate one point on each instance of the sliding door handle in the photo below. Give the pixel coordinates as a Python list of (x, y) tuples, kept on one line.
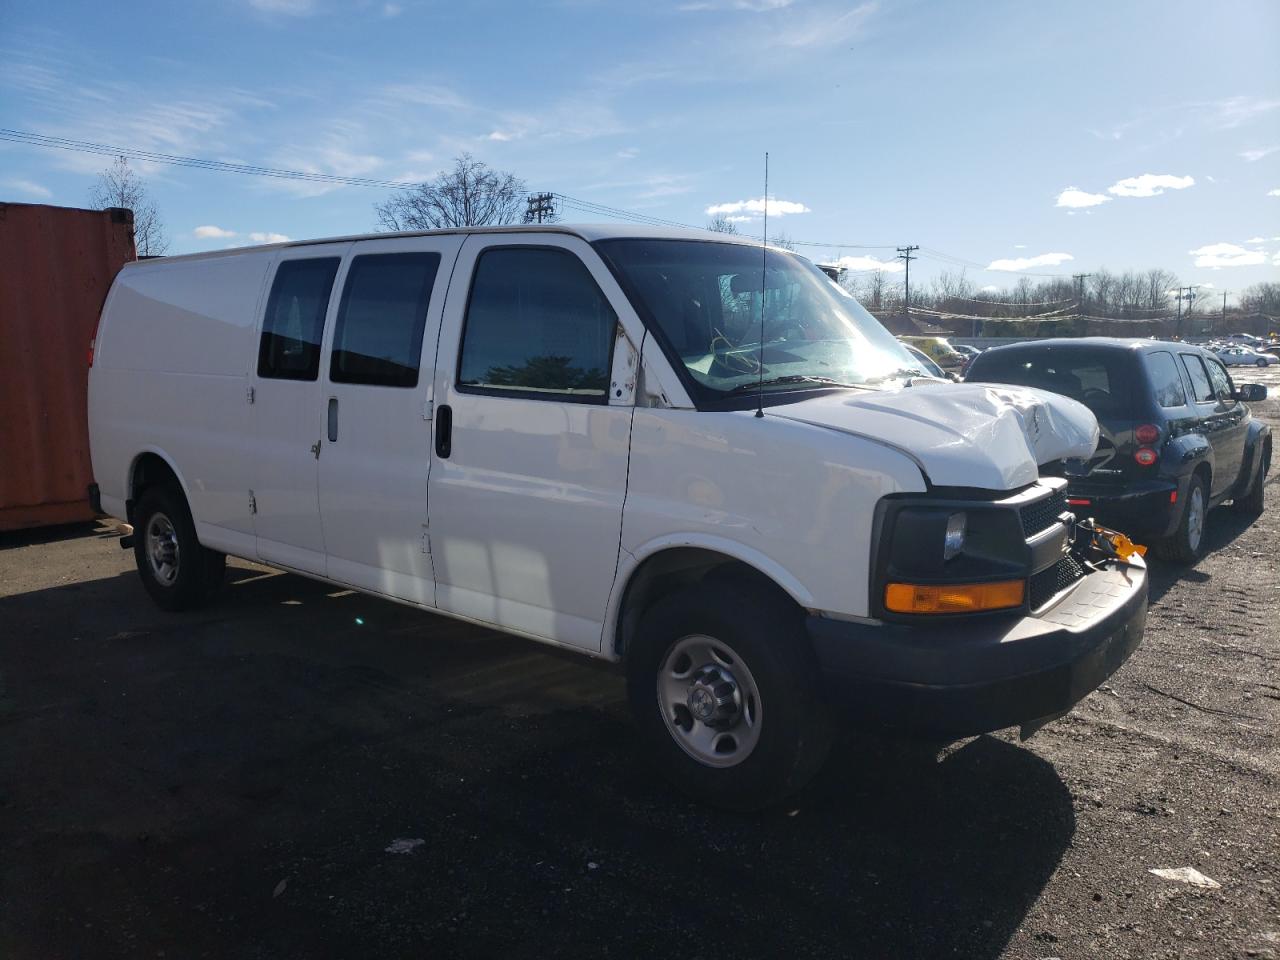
[(444, 431), (333, 419)]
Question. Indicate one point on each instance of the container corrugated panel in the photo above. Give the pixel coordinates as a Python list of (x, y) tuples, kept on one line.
[(56, 266)]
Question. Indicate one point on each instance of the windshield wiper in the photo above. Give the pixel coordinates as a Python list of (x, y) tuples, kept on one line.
[(903, 374), (790, 378)]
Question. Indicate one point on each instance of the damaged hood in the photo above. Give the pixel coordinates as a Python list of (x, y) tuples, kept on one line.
[(990, 436)]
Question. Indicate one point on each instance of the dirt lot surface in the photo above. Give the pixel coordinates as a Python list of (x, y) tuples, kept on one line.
[(236, 783)]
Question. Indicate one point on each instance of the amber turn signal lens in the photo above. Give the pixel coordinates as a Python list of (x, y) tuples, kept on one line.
[(953, 598)]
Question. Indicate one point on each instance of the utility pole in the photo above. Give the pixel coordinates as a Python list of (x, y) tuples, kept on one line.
[(1224, 310), (540, 205), (904, 254), (1190, 297), (1079, 279)]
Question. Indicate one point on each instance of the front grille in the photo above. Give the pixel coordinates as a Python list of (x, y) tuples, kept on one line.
[(1047, 584), (1043, 514)]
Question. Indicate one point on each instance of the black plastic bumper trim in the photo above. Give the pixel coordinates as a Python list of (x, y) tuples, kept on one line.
[(971, 677)]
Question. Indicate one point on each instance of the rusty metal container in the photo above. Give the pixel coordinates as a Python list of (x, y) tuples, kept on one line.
[(56, 266)]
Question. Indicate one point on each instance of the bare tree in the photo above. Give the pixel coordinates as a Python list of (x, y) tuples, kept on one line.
[(119, 186), (1261, 298), (782, 242), (1157, 283), (470, 195), (871, 290), (722, 224)]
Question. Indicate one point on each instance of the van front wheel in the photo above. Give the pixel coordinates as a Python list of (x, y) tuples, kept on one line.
[(727, 696), (177, 572)]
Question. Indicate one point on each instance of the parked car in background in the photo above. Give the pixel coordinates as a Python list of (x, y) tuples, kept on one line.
[(1246, 357), (926, 364), (636, 443), (1177, 437), (938, 350)]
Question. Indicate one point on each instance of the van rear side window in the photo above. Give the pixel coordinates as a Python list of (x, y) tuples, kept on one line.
[(377, 339), (294, 324)]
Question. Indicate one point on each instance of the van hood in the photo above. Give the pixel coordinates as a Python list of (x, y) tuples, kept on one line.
[(989, 436)]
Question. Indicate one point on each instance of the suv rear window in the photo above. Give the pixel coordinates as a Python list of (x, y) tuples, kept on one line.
[(1165, 379), (1098, 379)]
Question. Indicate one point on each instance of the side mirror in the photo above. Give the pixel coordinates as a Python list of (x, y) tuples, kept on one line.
[(1250, 392)]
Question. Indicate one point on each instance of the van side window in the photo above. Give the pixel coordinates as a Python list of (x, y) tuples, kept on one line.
[(292, 328), (1165, 379), (1199, 379), (1221, 382), (536, 324), (377, 339)]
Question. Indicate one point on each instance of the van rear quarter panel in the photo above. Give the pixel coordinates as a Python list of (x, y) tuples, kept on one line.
[(794, 500), (171, 376)]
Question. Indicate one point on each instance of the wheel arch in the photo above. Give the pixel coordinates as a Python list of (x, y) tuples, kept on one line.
[(672, 563), (149, 467)]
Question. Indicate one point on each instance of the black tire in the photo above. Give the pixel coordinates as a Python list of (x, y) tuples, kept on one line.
[(1251, 504), (1184, 546), (195, 573), (764, 634), (1260, 362)]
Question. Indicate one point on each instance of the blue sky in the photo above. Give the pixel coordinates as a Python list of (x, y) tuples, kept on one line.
[(1043, 139)]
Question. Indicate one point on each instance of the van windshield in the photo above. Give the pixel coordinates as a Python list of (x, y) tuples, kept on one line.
[(703, 299)]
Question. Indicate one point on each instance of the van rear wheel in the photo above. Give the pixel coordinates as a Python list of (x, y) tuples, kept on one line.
[(176, 570), (727, 695)]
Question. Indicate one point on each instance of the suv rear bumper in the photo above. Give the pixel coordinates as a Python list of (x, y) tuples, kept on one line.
[(963, 678), (1140, 511)]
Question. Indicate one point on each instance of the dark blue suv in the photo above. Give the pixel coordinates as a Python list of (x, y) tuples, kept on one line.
[(1176, 435)]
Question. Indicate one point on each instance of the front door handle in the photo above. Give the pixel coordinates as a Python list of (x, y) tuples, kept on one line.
[(333, 419), (444, 431)]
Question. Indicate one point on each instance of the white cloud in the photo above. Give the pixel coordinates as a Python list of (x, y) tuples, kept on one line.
[(499, 136), (390, 10), (1256, 240), (989, 288), (1019, 246), (777, 208), (210, 232), (1251, 156), (1149, 185), (1235, 111), (628, 153), (1274, 193), (1216, 255), (1075, 197), (260, 237), (1275, 259), (1026, 263), (820, 28), (29, 187), (856, 264), (290, 8), (739, 219)]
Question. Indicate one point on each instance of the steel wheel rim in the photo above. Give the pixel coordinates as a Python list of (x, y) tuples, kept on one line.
[(1195, 518), (726, 731), (162, 549)]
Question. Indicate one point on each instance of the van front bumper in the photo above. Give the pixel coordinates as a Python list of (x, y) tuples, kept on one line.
[(972, 676)]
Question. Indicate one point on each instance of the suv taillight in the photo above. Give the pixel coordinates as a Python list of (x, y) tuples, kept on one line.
[(1145, 456), (1147, 434)]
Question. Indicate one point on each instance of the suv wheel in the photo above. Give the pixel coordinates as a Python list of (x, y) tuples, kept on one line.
[(1187, 542), (1251, 504), (726, 694), (177, 572)]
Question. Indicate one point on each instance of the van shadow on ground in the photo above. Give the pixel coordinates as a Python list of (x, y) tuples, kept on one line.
[(177, 769)]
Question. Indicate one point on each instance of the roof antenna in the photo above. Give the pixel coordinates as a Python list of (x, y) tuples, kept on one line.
[(764, 268)]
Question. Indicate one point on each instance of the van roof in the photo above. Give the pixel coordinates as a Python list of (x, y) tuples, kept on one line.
[(585, 231), (1095, 343)]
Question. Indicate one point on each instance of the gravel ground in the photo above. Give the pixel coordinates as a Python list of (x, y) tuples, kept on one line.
[(236, 783)]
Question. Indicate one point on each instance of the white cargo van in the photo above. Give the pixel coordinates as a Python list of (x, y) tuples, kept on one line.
[(581, 435)]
